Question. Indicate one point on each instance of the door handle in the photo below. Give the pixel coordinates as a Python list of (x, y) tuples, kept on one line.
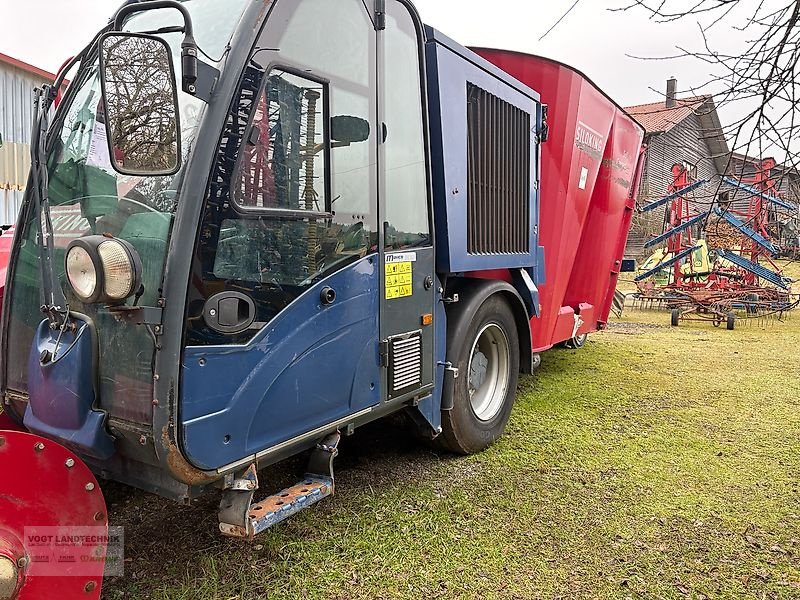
[(229, 312)]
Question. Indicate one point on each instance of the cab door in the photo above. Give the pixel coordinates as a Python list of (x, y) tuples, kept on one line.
[(283, 317), (408, 278)]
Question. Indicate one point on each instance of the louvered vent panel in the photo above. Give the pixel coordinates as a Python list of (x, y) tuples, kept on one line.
[(499, 163), (405, 362)]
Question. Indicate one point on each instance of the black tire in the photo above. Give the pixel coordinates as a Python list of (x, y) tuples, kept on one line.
[(576, 343), (675, 317), (463, 432), (731, 321)]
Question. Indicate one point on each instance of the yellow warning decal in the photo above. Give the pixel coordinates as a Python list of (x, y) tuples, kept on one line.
[(399, 280), (399, 275)]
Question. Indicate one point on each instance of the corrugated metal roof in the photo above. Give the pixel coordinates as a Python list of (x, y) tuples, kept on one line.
[(657, 118)]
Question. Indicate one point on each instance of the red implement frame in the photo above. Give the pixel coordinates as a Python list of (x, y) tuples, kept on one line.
[(45, 486)]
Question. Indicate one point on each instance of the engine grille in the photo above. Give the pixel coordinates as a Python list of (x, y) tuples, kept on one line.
[(405, 362), (498, 171)]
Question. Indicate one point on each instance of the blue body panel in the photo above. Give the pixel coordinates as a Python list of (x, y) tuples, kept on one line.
[(450, 67), (62, 391), (308, 367)]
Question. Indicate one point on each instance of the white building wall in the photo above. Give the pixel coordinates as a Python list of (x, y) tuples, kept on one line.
[(16, 116)]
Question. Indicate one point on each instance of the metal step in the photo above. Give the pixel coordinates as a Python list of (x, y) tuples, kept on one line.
[(669, 262), (284, 504), (754, 268), (747, 231), (754, 192), (678, 194), (682, 227), (240, 517)]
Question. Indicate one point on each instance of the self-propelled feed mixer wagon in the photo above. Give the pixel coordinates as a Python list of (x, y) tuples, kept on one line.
[(252, 227)]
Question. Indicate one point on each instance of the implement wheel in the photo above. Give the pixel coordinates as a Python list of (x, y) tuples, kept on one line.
[(576, 343), (731, 321), (675, 317), (483, 394)]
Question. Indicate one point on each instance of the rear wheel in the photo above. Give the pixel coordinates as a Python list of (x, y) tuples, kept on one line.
[(675, 317), (484, 390), (731, 321)]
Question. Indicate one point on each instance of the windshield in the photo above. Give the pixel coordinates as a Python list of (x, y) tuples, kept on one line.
[(88, 197)]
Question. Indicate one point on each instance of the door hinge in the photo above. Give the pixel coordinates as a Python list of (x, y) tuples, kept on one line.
[(383, 351), (380, 15)]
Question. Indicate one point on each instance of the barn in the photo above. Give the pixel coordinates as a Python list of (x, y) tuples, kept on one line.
[(17, 82), (685, 131)]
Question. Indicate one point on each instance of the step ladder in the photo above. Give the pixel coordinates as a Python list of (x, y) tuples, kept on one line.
[(240, 517)]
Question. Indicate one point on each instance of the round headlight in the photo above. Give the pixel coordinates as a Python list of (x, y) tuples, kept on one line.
[(119, 276), (81, 272), (103, 269)]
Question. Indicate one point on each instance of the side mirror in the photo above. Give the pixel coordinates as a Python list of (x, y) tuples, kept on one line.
[(349, 130), (141, 104)]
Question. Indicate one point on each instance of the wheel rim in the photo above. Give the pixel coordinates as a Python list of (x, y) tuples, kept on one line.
[(488, 372)]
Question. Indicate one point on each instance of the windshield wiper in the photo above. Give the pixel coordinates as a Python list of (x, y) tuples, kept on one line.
[(54, 304), (53, 301)]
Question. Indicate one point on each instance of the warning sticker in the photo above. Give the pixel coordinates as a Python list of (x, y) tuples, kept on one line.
[(399, 280)]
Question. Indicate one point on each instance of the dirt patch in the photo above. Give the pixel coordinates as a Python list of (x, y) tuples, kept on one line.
[(633, 328)]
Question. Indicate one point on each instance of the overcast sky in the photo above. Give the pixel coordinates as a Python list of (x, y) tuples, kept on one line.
[(591, 38)]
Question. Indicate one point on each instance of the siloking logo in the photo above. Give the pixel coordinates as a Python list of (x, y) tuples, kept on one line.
[(589, 140)]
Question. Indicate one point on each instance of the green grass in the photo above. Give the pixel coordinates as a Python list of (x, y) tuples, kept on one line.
[(654, 463)]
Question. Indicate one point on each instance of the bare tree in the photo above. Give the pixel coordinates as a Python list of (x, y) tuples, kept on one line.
[(140, 105), (757, 81)]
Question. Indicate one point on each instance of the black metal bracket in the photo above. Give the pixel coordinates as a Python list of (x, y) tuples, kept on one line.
[(383, 352), (380, 15), (138, 315), (321, 461)]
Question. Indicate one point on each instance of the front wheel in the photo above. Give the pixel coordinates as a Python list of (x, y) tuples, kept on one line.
[(484, 391)]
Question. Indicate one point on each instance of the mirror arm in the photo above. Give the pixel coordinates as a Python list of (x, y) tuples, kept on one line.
[(188, 46), (189, 63)]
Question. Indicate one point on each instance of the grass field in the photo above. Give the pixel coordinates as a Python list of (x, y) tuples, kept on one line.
[(654, 463)]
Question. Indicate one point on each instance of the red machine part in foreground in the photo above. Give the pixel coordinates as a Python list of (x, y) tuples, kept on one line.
[(591, 168), (46, 490)]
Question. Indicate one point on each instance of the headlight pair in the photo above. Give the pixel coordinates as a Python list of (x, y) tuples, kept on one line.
[(103, 269)]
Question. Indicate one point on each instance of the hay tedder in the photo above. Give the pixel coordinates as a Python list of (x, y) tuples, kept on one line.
[(709, 265), (327, 213)]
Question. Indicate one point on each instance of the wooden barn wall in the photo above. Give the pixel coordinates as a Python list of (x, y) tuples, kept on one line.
[(683, 143)]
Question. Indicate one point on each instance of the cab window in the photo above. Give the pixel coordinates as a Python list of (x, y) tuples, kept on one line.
[(293, 197)]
